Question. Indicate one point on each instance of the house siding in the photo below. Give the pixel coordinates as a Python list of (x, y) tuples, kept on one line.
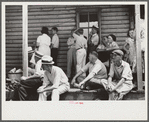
[(114, 20)]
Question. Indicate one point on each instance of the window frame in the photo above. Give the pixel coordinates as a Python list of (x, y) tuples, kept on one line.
[(80, 10)]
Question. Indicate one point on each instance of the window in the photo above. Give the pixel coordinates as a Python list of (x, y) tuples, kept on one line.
[(86, 18)]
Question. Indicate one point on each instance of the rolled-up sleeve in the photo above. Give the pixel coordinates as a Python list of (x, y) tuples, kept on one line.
[(85, 68), (96, 69), (127, 73)]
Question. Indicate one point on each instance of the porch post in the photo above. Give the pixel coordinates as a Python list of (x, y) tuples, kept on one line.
[(138, 47), (25, 40)]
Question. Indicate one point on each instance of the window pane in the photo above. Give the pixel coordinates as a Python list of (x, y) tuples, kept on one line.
[(93, 20), (83, 20), (93, 23), (83, 24), (83, 17), (93, 17)]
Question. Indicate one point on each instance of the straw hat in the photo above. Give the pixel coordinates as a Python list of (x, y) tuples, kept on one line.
[(38, 54), (47, 60)]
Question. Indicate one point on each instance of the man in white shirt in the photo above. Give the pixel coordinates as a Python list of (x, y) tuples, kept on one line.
[(55, 81), (81, 47), (29, 85), (97, 72), (55, 44)]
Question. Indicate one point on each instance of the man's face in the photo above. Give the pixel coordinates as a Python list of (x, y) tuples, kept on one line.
[(53, 31), (90, 58), (94, 31), (45, 67), (116, 58)]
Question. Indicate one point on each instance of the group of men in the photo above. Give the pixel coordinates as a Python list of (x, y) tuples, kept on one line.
[(49, 79)]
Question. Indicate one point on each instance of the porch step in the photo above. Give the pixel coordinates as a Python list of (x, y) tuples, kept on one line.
[(82, 95), (77, 94)]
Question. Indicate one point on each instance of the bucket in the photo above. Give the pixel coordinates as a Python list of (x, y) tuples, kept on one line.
[(15, 76)]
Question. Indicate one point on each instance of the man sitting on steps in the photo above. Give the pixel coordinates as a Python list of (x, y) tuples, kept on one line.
[(97, 72)]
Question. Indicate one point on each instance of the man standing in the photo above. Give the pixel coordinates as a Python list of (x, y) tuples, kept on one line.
[(97, 72), (55, 81), (71, 56), (81, 47), (120, 78), (93, 39), (55, 44)]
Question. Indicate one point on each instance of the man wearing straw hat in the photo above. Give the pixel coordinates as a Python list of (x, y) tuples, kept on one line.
[(29, 85), (55, 81)]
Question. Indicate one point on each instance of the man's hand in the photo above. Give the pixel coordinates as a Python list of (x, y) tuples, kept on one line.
[(111, 89), (80, 84), (73, 81), (23, 78), (41, 89)]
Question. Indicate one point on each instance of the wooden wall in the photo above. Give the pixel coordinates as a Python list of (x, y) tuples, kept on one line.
[(114, 19), (63, 17), (13, 18)]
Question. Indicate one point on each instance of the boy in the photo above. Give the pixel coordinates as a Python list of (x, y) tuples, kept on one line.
[(55, 44)]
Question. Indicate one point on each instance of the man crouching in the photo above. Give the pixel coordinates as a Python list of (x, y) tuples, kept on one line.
[(55, 81), (97, 72), (120, 78)]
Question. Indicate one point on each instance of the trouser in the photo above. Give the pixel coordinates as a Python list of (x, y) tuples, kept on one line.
[(26, 88), (71, 62), (55, 93), (81, 59), (54, 54), (93, 83), (120, 91)]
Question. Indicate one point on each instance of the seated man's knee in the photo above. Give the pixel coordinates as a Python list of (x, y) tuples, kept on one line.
[(80, 79), (55, 91)]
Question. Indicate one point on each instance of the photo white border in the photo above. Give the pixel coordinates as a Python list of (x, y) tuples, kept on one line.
[(63, 110)]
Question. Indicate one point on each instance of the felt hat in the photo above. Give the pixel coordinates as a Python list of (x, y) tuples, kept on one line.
[(119, 52), (94, 26), (30, 50), (47, 60), (38, 54)]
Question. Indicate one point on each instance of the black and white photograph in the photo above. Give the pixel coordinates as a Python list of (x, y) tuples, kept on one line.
[(74, 57)]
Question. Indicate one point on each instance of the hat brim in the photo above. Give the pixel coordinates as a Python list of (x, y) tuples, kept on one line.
[(49, 63), (117, 53), (95, 27), (31, 51)]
